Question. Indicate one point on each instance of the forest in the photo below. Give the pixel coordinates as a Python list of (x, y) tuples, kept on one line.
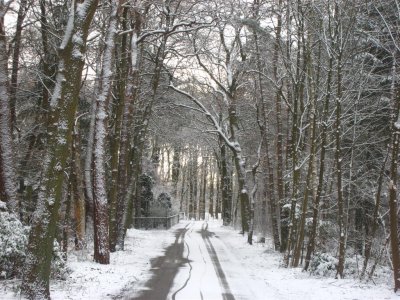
[(282, 117)]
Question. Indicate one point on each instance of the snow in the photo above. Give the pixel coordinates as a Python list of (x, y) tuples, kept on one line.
[(61, 141), (134, 50), (82, 8), (76, 53), (251, 272), (63, 125), (60, 78), (255, 273), (229, 74), (77, 39), (69, 28)]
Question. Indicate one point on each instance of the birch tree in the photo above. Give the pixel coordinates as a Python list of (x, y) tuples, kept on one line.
[(101, 236)]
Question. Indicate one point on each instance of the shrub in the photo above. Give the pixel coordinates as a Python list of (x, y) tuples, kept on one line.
[(13, 241), (323, 264), (59, 268)]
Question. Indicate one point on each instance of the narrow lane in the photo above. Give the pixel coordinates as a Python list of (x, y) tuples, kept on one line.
[(164, 269), (204, 282), (198, 265), (205, 234)]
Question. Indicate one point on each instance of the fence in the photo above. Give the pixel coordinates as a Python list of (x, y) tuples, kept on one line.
[(156, 222)]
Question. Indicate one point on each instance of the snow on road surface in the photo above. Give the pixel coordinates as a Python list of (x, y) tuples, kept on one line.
[(198, 260), (215, 262), (215, 272)]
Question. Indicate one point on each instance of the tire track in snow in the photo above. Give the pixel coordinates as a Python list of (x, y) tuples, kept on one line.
[(188, 261), (227, 294), (204, 272)]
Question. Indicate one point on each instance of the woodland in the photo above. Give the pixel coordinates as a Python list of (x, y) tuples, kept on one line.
[(280, 116)]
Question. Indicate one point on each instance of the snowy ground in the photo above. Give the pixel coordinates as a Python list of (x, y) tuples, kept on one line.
[(198, 260)]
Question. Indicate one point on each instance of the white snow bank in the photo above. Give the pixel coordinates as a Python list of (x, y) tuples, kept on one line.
[(262, 266), (89, 280)]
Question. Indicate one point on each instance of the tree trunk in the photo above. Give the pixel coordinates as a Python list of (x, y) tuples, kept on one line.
[(393, 203), (311, 173), (15, 61), (321, 172), (63, 105), (211, 195), (263, 121), (279, 131), (7, 169), (309, 189), (183, 193), (77, 190), (202, 203), (226, 191), (122, 62), (338, 152), (125, 205), (176, 168), (296, 142), (374, 222), (101, 229)]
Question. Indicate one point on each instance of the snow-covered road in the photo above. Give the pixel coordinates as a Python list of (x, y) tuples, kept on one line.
[(199, 260), (199, 265), (207, 261)]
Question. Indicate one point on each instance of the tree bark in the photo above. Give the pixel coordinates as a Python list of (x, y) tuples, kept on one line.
[(101, 222), (309, 188), (15, 60), (263, 122), (63, 106), (338, 146), (122, 62), (125, 205), (225, 186), (321, 172), (393, 203), (77, 190), (211, 195), (374, 220), (7, 168)]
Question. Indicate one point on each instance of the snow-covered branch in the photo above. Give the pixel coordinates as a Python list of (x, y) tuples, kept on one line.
[(189, 107), (169, 31), (209, 116), (209, 73), (70, 27), (4, 7), (389, 30)]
